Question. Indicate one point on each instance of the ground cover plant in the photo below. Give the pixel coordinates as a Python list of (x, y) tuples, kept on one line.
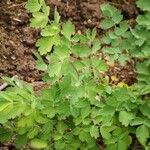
[(80, 109)]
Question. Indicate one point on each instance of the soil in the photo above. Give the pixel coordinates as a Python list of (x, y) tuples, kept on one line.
[(7, 146), (17, 42), (125, 74), (17, 39)]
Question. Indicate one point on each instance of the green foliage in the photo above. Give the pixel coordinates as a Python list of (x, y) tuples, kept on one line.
[(142, 133), (39, 11), (39, 144), (143, 70), (143, 4), (121, 42), (113, 16), (79, 106), (34, 5), (114, 40)]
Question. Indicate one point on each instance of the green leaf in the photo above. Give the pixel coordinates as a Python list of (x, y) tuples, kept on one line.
[(137, 121), (117, 17), (4, 104), (91, 34), (85, 111), (26, 121), (49, 111), (146, 51), (57, 136), (147, 123), (142, 69), (135, 33), (142, 133), (81, 50), (108, 10), (50, 30), (13, 109), (68, 29), (124, 142), (143, 4), (33, 5), (39, 20), (45, 8), (107, 120), (100, 65), (84, 136), (54, 69), (114, 16), (56, 16), (112, 147), (61, 127), (40, 64), (60, 145), (21, 141), (106, 131), (38, 143), (145, 109), (96, 45), (125, 117), (45, 45), (123, 59), (106, 24), (94, 131), (108, 110), (33, 132), (144, 20), (106, 39), (112, 36), (5, 134), (62, 52), (122, 29)]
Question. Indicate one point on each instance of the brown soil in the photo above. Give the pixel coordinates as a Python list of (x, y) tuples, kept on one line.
[(125, 74), (17, 42), (86, 13)]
